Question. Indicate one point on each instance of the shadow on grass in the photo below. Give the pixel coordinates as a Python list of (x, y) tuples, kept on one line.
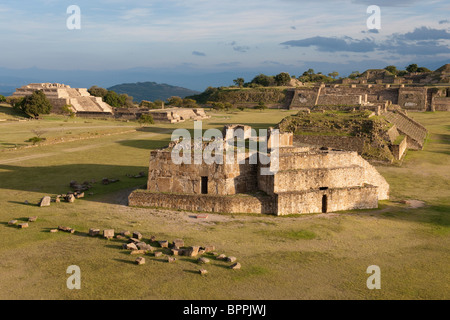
[(125, 261), (54, 180)]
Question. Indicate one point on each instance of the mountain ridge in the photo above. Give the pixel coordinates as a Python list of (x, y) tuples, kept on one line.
[(151, 91)]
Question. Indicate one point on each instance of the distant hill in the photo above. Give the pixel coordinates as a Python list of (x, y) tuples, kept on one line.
[(151, 91)]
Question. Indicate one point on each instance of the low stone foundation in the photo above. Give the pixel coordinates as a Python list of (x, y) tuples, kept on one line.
[(241, 203)]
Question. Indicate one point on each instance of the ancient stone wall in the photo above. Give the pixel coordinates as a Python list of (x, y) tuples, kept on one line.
[(413, 98), (167, 176), (442, 103), (399, 149), (336, 142), (336, 200), (208, 203)]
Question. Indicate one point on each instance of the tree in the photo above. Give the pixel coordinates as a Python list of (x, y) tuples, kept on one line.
[(261, 106), (146, 119), (35, 104), (14, 101), (263, 80), (158, 103), (423, 69), (126, 101), (333, 74), (2, 98), (239, 82), (175, 101), (97, 91), (189, 103), (217, 105), (392, 69), (67, 111), (412, 68), (354, 74), (147, 104), (282, 79), (112, 98)]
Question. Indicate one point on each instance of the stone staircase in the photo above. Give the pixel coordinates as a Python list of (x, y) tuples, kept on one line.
[(407, 126)]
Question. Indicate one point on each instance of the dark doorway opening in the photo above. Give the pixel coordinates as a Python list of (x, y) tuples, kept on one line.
[(204, 185), (323, 188), (324, 203)]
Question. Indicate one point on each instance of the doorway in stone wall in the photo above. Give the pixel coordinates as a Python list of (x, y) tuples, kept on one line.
[(204, 185), (324, 203)]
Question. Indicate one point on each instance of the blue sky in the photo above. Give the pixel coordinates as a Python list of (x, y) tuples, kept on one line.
[(218, 36)]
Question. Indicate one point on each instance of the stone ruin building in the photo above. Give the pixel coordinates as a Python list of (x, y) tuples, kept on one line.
[(308, 180), (85, 105), (59, 95)]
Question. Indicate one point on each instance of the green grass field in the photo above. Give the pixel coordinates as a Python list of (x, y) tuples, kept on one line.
[(296, 257)]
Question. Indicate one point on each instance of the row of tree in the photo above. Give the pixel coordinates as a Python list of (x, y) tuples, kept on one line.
[(112, 98)]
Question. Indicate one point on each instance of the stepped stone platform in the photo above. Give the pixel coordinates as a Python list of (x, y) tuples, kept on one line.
[(60, 95), (414, 131), (307, 180)]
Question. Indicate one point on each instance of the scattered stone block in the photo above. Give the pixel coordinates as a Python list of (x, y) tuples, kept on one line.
[(178, 243), (134, 240), (231, 259), (125, 233), (203, 271), (192, 251), (53, 230), (176, 252), (45, 201), (201, 251), (137, 235), (130, 246), (201, 216), (70, 198), (171, 259), (221, 257), (152, 238), (66, 229), (203, 260), (120, 237), (79, 195), (235, 266), (23, 225), (157, 254), (94, 232), (164, 243), (210, 248), (137, 252), (140, 260), (57, 200), (144, 246), (108, 233), (12, 222)]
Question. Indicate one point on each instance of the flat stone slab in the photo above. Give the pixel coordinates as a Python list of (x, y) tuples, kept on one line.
[(137, 235), (108, 233), (231, 259), (235, 266), (32, 219), (12, 222), (203, 260), (23, 225), (140, 261), (203, 271), (45, 201), (164, 243), (94, 232)]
